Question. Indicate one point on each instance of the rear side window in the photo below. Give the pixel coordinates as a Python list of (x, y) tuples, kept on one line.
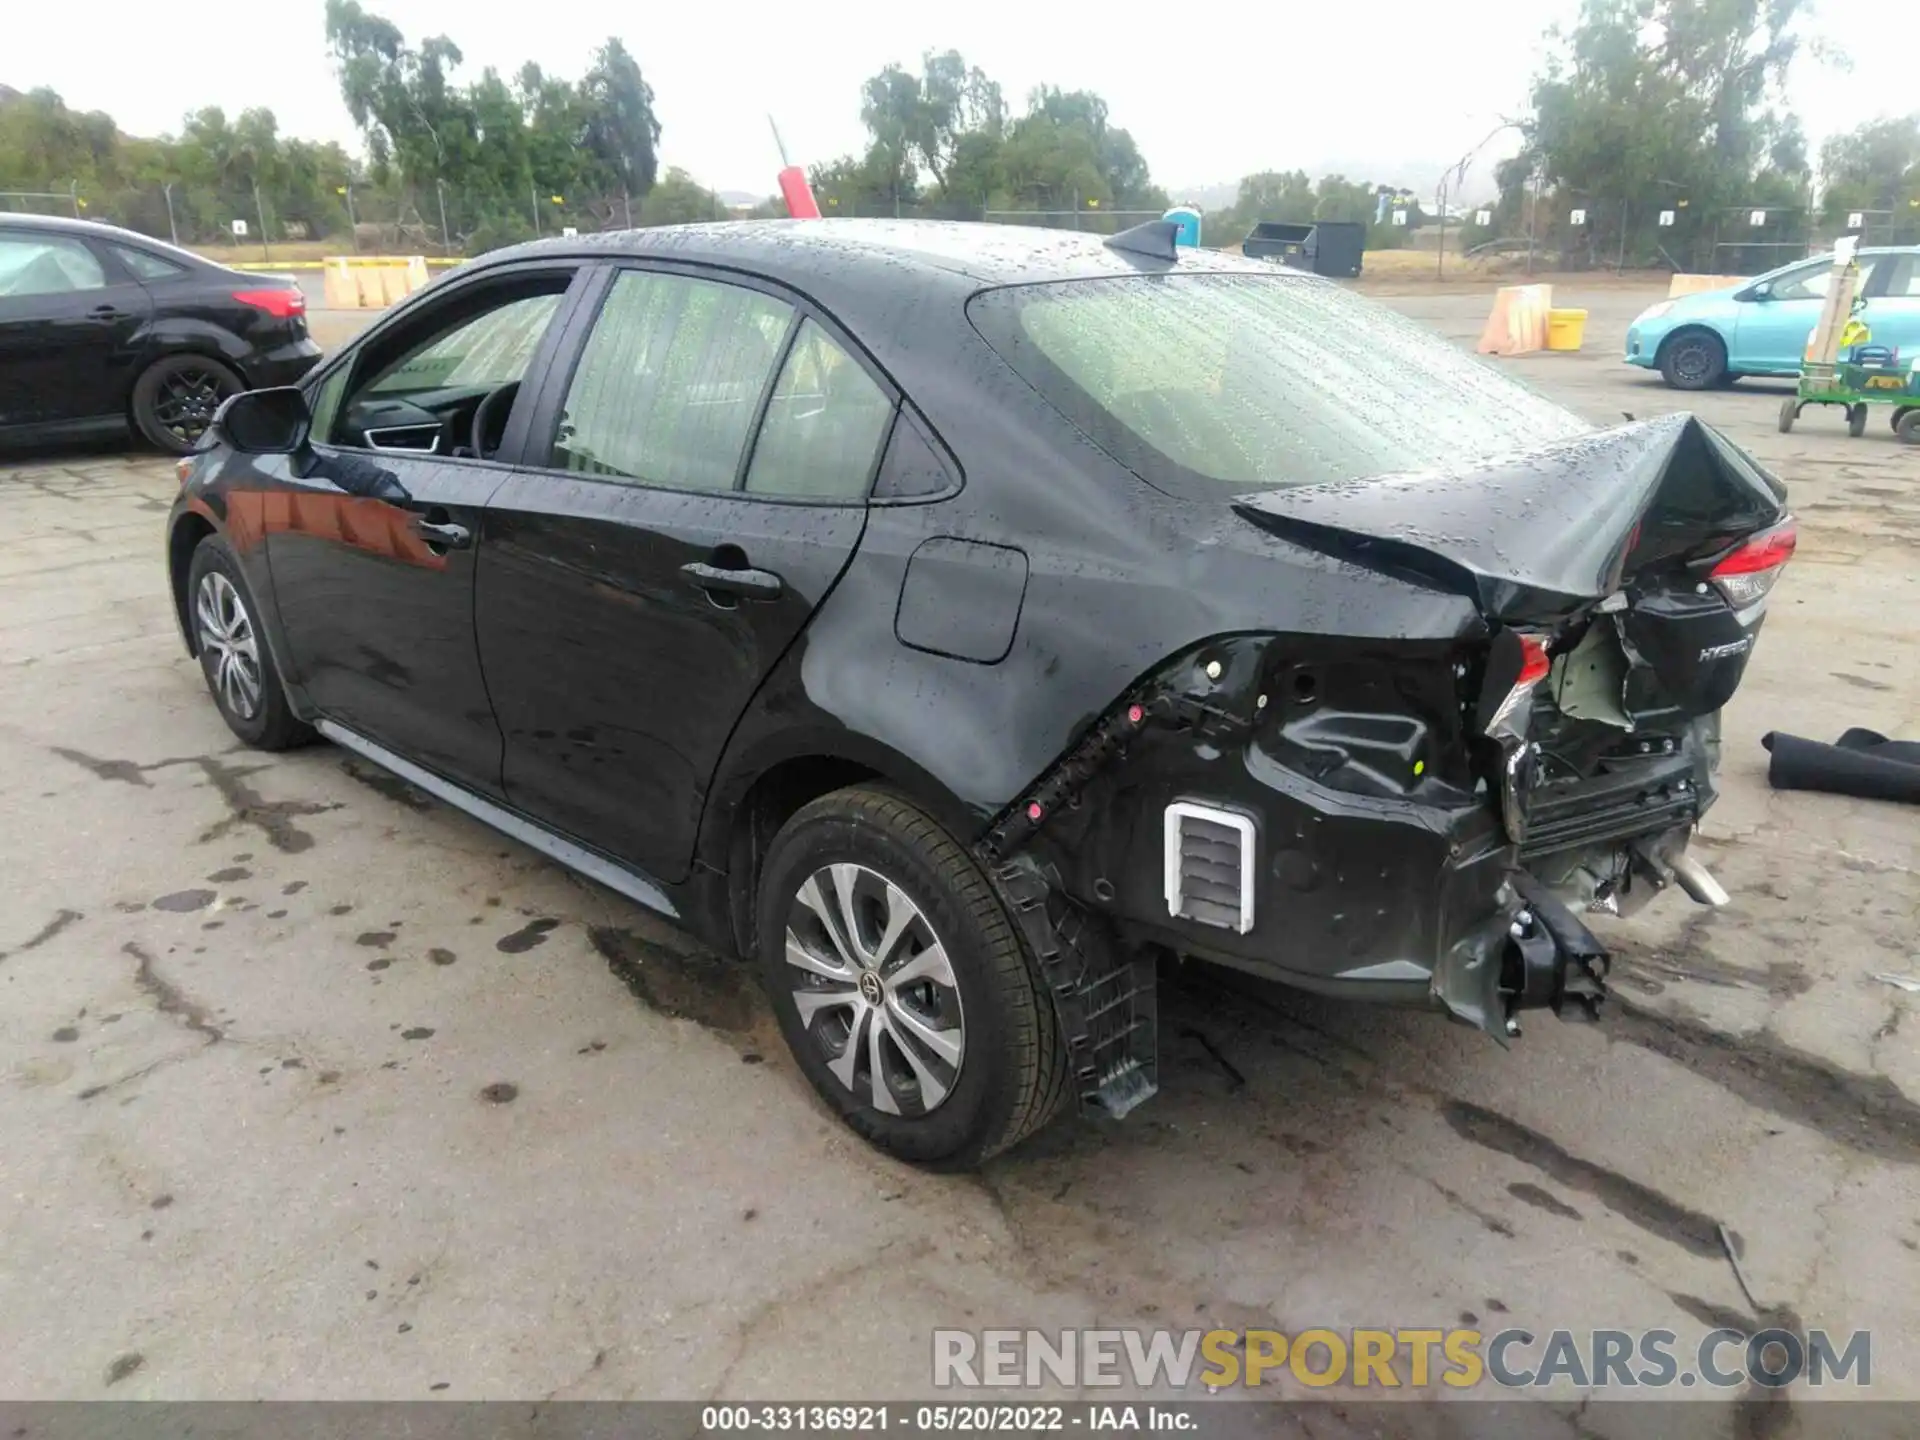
[(670, 380), (146, 265), (1206, 385), (823, 424), (47, 265)]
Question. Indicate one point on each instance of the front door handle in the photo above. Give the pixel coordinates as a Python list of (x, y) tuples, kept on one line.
[(748, 584), (436, 530)]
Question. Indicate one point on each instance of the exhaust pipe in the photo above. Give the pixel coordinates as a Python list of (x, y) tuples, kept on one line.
[(1699, 884)]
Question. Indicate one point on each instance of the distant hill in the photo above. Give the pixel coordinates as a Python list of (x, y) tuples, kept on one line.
[(1418, 175)]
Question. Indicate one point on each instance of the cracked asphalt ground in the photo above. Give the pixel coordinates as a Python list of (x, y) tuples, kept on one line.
[(311, 1087)]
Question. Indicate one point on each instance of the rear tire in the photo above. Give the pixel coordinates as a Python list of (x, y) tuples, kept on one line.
[(942, 1048), (1694, 360), (234, 657), (175, 398), (1907, 427)]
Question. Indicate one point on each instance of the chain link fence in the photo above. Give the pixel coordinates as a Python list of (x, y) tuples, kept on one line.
[(1573, 234), (244, 224), (248, 224)]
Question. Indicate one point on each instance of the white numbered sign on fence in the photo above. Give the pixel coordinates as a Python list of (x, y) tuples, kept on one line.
[(1578, 217), (1758, 217), (568, 231), (1399, 217), (1483, 217), (239, 229), (1856, 220), (1666, 217)]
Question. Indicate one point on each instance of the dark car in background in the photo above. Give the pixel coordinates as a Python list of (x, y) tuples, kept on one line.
[(956, 619), (103, 330)]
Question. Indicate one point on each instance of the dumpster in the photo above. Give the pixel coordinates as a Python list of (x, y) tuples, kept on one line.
[(1326, 247)]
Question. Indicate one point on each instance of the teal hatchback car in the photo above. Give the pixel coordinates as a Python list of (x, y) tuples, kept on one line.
[(1761, 326)]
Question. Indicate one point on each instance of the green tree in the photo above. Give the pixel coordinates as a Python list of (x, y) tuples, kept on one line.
[(1645, 102), (540, 151), (1280, 195), (679, 199), (858, 185), (1875, 166), (941, 138), (1122, 169), (622, 130)]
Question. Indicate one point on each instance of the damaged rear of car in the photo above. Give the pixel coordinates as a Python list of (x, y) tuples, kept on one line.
[(961, 619), (1522, 727)]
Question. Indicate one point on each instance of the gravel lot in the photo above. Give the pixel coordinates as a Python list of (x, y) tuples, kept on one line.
[(311, 1087)]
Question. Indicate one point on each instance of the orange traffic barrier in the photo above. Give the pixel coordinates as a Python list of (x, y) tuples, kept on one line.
[(372, 282), (1518, 324), (1694, 284)]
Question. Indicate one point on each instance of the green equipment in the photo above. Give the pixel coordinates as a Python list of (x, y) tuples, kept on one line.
[(1873, 376), (1842, 367)]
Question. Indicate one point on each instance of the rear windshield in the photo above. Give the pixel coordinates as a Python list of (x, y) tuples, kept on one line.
[(1211, 384)]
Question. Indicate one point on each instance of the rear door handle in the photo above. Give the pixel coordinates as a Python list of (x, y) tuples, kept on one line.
[(749, 584)]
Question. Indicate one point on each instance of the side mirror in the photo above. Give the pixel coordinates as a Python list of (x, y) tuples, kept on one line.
[(265, 422), (1762, 291)]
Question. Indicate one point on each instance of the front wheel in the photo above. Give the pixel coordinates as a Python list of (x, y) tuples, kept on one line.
[(1789, 412), (1856, 421), (233, 652), (1907, 427), (1694, 360), (901, 985)]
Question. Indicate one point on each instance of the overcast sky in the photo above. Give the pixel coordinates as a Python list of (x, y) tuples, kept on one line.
[(1390, 90)]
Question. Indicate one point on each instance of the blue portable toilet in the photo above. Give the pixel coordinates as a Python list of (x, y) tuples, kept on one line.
[(1188, 221)]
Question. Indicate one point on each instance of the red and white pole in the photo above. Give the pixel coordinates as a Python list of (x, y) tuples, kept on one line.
[(793, 182)]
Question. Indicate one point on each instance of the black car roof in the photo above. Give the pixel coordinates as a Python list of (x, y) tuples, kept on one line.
[(910, 253), (75, 227), (67, 225)]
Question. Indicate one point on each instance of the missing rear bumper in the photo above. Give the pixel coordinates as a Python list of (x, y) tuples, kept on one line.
[(1532, 953), (1103, 994)]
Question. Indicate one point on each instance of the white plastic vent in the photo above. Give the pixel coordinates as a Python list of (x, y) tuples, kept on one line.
[(1210, 858)]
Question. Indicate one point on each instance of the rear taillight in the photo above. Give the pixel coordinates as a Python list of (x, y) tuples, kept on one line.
[(1534, 667), (1524, 657), (281, 304), (1746, 573)]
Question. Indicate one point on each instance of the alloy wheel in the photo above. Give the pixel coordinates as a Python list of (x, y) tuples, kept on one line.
[(229, 645), (875, 989), (186, 402)]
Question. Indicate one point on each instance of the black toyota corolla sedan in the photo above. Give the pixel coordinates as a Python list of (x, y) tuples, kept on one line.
[(102, 329), (958, 619)]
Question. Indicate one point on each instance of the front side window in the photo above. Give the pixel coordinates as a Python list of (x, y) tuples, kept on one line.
[(324, 403), (823, 427), (47, 265), (1811, 282), (1205, 385), (669, 381), (448, 378), (487, 351)]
